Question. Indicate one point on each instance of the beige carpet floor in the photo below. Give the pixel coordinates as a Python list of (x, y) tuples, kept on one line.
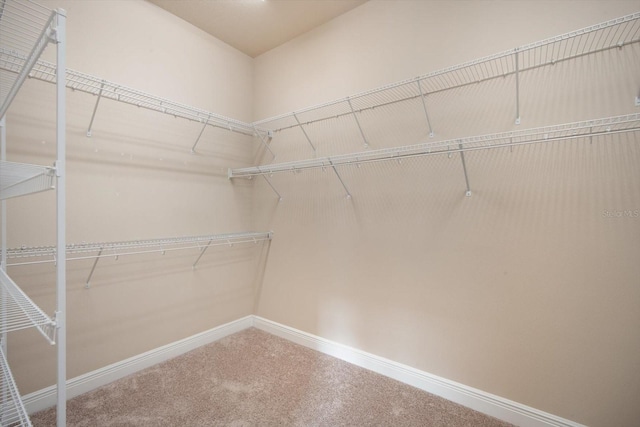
[(253, 378)]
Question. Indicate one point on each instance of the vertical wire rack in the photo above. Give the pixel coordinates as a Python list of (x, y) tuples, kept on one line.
[(26, 29)]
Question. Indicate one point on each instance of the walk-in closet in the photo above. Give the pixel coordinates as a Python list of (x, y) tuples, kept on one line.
[(320, 212)]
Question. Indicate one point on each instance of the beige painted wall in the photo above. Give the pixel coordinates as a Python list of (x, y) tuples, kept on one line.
[(527, 289), (135, 179)]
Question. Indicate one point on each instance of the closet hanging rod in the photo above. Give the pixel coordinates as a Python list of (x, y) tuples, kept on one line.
[(605, 126), (615, 33), (45, 71), (20, 312), (134, 247), (13, 410)]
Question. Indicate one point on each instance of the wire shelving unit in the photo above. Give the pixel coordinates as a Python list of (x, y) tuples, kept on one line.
[(26, 29), (612, 34)]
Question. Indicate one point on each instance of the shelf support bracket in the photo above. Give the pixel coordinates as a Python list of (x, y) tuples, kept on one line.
[(364, 138), (93, 268), (464, 168), (201, 253), (340, 179), (206, 122), (517, 87), (304, 131), (95, 108), (265, 142), (424, 106), (272, 187)]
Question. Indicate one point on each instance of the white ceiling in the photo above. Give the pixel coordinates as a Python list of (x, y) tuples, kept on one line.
[(256, 26)]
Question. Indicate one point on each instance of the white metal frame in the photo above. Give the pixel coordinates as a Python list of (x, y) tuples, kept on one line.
[(26, 28)]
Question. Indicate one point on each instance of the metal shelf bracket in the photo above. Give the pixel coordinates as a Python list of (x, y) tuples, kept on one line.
[(364, 138), (304, 131), (424, 106), (266, 145), (272, 187), (206, 122), (202, 251), (340, 179), (95, 108), (464, 168), (87, 285)]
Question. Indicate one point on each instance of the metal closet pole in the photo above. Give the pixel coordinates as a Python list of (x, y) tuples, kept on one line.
[(61, 252)]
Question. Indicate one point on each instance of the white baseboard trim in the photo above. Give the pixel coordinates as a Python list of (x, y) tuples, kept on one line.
[(487, 403), (46, 397)]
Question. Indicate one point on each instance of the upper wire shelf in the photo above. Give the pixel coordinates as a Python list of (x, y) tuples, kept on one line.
[(12, 410), (25, 30), (18, 179), (18, 311), (615, 33), (589, 128), (13, 62)]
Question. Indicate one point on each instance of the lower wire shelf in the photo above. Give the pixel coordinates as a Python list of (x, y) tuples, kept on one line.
[(18, 179), (18, 311), (12, 410), (95, 251)]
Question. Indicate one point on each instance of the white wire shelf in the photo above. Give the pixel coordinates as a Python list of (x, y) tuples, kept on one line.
[(616, 33), (96, 251), (19, 179), (584, 129), (17, 311), (134, 247), (12, 62), (12, 410), (25, 30), (611, 125)]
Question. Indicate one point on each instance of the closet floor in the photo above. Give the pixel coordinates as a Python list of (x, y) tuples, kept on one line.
[(253, 378)]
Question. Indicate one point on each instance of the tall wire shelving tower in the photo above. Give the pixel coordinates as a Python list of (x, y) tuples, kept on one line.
[(26, 29)]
